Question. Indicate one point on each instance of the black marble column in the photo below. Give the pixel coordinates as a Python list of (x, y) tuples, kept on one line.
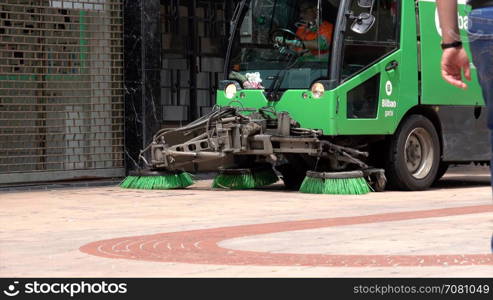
[(142, 40)]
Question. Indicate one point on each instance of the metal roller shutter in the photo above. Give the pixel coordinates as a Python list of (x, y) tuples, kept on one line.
[(61, 90)]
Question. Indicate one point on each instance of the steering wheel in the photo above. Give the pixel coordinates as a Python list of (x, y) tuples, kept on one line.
[(285, 33)]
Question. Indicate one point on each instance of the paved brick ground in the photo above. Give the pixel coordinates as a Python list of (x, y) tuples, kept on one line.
[(106, 231)]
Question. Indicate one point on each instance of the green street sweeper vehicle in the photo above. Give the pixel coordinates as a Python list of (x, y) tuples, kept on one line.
[(353, 92)]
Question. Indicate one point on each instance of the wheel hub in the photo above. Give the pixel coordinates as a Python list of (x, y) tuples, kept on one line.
[(418, 153)]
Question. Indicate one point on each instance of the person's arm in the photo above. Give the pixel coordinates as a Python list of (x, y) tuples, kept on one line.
[(324, 37), (454, 60), (447, 12), (319, 44), (323, 40)]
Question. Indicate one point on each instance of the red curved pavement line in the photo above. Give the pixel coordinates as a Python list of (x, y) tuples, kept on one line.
[(201, 246)]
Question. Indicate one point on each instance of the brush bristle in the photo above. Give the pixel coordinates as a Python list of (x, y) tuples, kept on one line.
[(312, 185), (265, 177), (128, 182), (165, 182), (234, 182), (244, 179), (335, 186), (347, 186)]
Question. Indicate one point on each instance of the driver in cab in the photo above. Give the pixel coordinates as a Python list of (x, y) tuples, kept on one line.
[(316, 36)]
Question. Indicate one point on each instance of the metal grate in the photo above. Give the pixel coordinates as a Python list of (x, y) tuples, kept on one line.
[(61, 89), (193, 39)]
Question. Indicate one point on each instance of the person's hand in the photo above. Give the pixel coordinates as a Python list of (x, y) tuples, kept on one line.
[(288, 52), (279, 40), (283, 41), (294, 43), (454, 61)]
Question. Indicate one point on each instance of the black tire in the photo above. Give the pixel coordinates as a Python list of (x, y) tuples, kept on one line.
[(442, 169), (413, 155)]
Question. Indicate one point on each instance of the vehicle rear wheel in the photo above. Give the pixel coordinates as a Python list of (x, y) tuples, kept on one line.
[(442, 169), (413, 155)]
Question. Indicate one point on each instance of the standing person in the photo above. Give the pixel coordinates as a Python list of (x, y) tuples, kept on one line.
[(455, 60)]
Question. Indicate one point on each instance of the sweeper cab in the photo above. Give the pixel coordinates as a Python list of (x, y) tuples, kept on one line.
[(352, 89)]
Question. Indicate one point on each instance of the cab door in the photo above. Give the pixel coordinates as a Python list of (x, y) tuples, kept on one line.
[(375, 68)]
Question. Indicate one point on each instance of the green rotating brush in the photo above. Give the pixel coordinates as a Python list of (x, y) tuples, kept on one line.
[(335, 183), (157, 180), (244, 179)]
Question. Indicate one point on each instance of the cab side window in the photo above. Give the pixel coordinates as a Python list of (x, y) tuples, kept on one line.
[(362, 50)]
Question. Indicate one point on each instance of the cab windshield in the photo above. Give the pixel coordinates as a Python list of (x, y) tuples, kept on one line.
[(283, 44)]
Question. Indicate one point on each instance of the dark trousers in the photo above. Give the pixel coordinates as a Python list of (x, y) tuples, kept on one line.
[(481, 41)]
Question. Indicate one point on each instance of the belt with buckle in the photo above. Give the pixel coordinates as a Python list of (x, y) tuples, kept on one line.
[(482, 4)]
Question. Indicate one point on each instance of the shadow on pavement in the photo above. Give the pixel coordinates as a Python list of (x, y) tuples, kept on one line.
[(463, 182)]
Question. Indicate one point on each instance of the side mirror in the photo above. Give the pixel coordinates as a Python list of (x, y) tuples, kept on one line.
[(363, 23), (365, 3)]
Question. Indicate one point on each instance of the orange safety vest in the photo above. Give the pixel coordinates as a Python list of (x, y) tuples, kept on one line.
[(306, 34)]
